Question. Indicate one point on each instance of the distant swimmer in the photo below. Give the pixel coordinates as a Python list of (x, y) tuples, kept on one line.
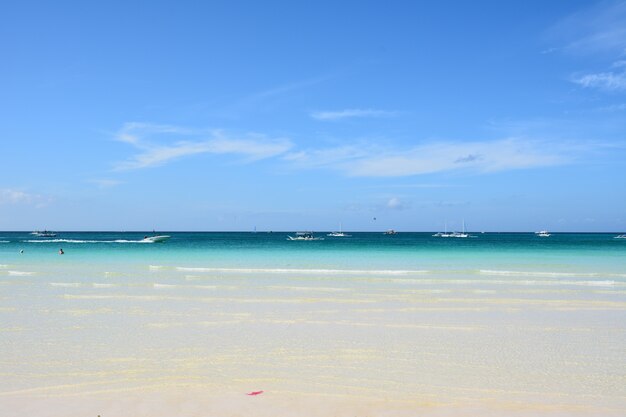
[(21, 250), (61, 252)]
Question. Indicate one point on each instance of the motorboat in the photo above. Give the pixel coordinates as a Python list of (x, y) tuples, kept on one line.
[(304, 236), (542, 233), (340, 233), (155, 239), (45, 233), (390, 232)]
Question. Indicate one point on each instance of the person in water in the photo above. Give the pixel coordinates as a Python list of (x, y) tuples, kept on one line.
[(61, 251)]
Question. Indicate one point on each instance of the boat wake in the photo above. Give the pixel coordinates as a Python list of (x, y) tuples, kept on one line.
[(87, 241)]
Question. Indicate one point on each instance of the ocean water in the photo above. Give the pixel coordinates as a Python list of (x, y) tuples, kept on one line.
[(410, 324)]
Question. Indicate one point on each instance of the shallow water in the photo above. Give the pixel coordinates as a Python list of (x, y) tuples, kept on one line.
[(498, 324)]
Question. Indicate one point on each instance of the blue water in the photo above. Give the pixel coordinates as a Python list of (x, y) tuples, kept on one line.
[(581, 253), (510, 319)]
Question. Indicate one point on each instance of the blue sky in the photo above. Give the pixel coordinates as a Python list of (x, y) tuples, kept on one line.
[(285, 116)]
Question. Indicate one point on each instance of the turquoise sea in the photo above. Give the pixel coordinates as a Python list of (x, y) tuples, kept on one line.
[(564, 252), (495, 324)]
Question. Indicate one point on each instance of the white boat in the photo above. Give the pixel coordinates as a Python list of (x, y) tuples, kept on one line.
[(339, 233), (304, 236), (390, 232), (542, 233), (45, 233), (155, 239), (444, 233), (459, 234)]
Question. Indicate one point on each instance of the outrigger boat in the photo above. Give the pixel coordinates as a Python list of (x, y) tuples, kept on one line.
[(45, 233), (304, 236)]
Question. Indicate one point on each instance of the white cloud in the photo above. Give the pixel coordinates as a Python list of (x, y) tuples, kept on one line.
[(13, 196), (105, 182), (608, 81), (142, 135), (600, 28), (477, 156), (396, 204), (611, 108), (330, 156), (347, 113)]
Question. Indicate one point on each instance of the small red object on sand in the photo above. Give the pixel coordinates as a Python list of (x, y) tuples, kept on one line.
[(255, 393)]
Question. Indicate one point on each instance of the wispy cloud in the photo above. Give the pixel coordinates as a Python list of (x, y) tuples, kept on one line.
[(266, 99), (13, 196), (608, 81), (105, 182), (600, 28), (350, 113), (144, 137), (495, 156), (395, 203), (477, 156), (612, 108), (285, 88)]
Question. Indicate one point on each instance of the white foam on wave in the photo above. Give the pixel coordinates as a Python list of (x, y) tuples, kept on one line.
[(607, 283), (20, 273), (314, 289), (302, 271), (96, 285), (525, 282), (5, 241), (4, 266), (165, 286), (155, 267), (66, 284), (550, 274)]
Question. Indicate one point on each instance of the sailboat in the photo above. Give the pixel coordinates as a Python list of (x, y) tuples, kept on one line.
[(339, 233), (460, 234), (445, 233)]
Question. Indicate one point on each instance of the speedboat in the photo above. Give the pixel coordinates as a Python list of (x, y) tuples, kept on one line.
[(304, 236), (338, 234), (542, 233), (155, 239), (45, 233), (390, 232)]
